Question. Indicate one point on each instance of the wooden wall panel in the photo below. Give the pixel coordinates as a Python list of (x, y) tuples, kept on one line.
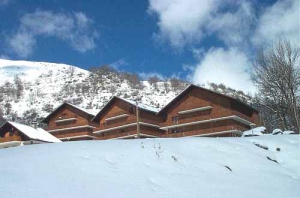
[(222, 107)]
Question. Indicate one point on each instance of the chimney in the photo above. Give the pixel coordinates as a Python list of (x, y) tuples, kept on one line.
[(34, 125)]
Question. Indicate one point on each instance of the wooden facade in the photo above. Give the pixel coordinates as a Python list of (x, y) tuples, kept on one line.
[(201, 112), (71, 123), (195, 112), (15, 134), (121, 118), (9, 133)]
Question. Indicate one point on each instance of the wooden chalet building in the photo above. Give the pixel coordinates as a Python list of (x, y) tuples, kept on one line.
[(201, 112), (15, 134), (196, 111), (69, 123), (122, 118)]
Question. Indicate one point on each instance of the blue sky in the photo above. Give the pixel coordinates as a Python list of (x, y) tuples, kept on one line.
[(199, 41)]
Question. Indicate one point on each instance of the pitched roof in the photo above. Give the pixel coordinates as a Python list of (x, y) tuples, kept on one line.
[(142, 106), (191, 86), (32, 133), (90, 112), (131, 102)]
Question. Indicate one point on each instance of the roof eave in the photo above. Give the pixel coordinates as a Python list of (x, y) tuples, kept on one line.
[(195, 86), (103, 108)]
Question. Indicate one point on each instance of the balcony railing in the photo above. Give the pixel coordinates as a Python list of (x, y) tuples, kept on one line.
[(209, 118), (242, 116), (117, 135), (128, 134), (116, 114), (129, 121)]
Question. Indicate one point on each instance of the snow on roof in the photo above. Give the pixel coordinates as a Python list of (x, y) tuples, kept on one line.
[(88, 111), (142, 106), (36, 134), (277, 131), (203, 88), (288, 132), (256, 131)]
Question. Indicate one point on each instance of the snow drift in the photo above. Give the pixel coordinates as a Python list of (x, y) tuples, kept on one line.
[(184, 167)]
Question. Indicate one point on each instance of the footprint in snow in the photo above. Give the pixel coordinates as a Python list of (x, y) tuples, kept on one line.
[(109, 159), (153, 181)]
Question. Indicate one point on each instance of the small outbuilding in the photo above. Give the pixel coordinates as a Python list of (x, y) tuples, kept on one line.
[(15, 134)]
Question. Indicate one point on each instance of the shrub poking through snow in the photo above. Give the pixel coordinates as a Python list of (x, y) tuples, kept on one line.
[(175, 158), (272, 160), (277, 132), (261, 146), (254, 132), (158, 150), (228, 168)]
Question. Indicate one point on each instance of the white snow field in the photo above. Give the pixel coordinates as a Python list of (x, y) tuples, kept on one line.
[(154, 168)]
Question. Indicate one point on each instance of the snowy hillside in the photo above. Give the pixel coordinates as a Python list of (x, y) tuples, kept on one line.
[(30, 71), (185, 168), (46, 85), (29, 91)]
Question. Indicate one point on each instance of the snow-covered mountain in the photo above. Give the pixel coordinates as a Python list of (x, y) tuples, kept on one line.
[(31, 71), (46, 85), (29, 90)]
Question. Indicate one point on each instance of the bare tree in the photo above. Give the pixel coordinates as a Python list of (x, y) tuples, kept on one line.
[(47, 108), (7, 108), (31, 97), (71, 71), (134, 81), (153, 81), (19, 86), (276, 74), (2, 120), (166, 86), (175, 83)]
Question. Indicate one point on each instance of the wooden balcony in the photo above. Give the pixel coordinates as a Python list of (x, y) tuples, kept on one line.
[(243, 116), (104, 126), (118, 135), (204, 133), (72, 135), (116, 114), (132, 134), (213, 117)]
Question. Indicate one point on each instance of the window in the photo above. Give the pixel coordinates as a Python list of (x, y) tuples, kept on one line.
[(175, 120)]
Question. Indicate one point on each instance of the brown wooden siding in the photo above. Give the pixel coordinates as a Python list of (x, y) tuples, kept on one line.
[(73, 133), (69, 112), (128, 131), (10, 139), (221, 107), (9, 133), (120, 107)]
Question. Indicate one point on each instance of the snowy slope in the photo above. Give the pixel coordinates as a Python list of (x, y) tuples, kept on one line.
[(52, 84), (154, 168), (30, 71)]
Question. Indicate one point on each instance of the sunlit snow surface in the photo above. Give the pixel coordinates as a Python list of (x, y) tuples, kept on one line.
[(154, 168)]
